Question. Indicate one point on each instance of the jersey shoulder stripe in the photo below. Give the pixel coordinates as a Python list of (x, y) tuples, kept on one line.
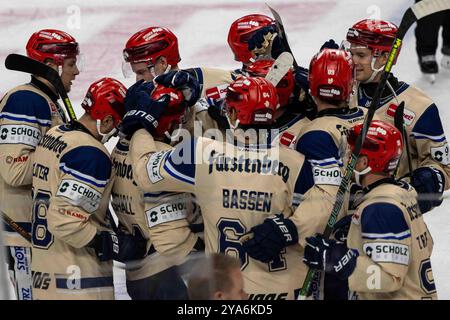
[(180, 162), (383, 220), (429, 125), (319, 148), (88, 164), (27, 106)]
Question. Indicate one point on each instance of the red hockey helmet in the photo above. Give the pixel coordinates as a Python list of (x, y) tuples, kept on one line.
[(255, 100), (377, 35), (241, 30), (331, 75), (105, 97), (174, 113), (285, 87), (383, 145), (52, 44), (151, 43)]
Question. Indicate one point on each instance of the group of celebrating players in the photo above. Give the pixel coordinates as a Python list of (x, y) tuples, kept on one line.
[(263, 198)]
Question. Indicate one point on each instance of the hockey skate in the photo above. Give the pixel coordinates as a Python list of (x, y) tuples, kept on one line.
[(429, 67)]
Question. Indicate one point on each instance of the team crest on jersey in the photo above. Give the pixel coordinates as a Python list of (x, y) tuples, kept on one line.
[(287, 139), (53, 108), (408, 115), (356, 217)]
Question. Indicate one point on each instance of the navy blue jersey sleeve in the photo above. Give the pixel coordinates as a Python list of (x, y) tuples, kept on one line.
[(180, 162), (319, 148), (384, 221), (429, 126), (304, 182), (27, 106), (87, 164)]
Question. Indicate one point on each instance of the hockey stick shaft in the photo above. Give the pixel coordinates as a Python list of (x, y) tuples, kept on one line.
[(22, 63), (280, 26), (400, 125), (412, 14), (15, 226)]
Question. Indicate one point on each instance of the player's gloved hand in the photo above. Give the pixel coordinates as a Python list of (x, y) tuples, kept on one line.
[(266, 42), (142, 110), (131, 246), (301, 78), (270, 238), (330, 44), (106, 245), (183, 81), (328, 255), (341, 228), (429, 184), (216, 112)]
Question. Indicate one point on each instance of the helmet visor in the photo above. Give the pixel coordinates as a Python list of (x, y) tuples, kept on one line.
[(144, 52), (66, 49)]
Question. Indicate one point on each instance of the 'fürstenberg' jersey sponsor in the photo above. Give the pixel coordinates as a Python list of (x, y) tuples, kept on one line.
[(71, 186), (394, 246), (26, 113), (236, 190)]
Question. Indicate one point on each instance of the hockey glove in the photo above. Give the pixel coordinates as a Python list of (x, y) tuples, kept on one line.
[(183, 81), (270, 238), (330, 44), (106, 245), (142, 110), (429, 184), (328, 255), (341, 228), (265, 42), (301, 78), (131, 246)]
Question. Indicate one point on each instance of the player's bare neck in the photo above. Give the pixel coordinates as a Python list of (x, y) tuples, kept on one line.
[(90, 124)]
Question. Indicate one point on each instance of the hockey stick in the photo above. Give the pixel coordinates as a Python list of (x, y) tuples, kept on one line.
[(279, 68), (400, 125), (282, 35), (22, 63), (412, 14), (15, 226)]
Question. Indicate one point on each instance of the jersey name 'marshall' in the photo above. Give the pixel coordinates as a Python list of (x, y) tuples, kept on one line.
[(222, 163)]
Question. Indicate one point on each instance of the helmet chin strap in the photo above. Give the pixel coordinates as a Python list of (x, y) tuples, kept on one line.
[(232, 126), (375, 71), (359, 174), (105, 136)]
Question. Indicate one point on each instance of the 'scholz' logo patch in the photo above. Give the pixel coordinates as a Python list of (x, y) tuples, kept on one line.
[(327, 176), (79, 194), (19, 133), (408, 115), (154, 166), (440, 154), (387, 252)]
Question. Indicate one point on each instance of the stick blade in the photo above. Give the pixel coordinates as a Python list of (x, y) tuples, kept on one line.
[(280, 67)]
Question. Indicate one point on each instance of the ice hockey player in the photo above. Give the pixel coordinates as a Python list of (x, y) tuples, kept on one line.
[(238, 185), (388, 250), (153, 51), (321, 141), (241, 30), (287, 120), (73, 243), (370, 42), (161, 219), (26, 113)]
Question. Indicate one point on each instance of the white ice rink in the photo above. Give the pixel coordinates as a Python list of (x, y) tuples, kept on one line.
[(102, 28)]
